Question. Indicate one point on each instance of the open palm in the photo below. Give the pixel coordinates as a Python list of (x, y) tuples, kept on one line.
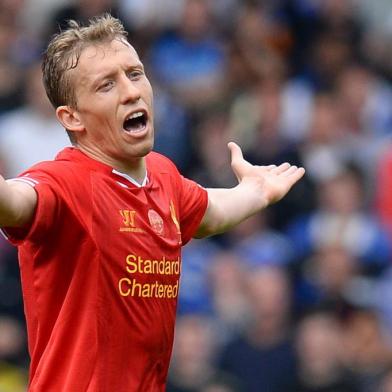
[(272, 181)]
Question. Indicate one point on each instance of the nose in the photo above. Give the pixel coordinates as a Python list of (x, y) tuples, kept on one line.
[(130, 92)]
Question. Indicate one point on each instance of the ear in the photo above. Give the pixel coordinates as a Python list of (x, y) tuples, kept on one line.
[(70, 118)]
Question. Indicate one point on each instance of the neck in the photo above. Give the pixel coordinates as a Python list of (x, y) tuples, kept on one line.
[(134, 167)]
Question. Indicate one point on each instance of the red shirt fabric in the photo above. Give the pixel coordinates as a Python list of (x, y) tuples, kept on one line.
[(100, 269), (383, 189)]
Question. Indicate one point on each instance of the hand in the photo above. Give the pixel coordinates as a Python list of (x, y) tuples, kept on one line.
[(273, 181)]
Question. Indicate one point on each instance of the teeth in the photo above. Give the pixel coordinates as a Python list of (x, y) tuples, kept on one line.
[(135, 115)]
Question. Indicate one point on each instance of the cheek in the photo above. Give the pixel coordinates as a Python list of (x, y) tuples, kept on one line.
[(102, 115), (100, 125), (149, 95)]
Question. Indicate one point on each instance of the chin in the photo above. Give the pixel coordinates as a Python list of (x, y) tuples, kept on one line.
[(143, 149)]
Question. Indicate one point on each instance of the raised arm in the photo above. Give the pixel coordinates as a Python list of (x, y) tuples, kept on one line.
[(17, 203), (258, 187)]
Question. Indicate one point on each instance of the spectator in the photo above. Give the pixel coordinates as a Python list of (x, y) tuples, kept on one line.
[(232, 310), (263, 358), (190, 61), (257, 243), (13, 377), (364, 101), (10, 65), (42, 138), (193, 355), (173, 136), (319, 349), (257, 118), (209, 137), (383, 199), (342, 219), (386, 383), (195, 289), (366, 349), (324, 279), (82, 11)]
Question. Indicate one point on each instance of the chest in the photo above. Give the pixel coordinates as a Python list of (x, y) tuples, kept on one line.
[(131, 223)]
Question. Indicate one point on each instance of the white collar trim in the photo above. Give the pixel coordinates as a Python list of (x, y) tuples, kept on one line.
[(132, 180)]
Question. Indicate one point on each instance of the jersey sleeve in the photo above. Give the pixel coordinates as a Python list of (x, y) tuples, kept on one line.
[(48, 204), (193, 204)]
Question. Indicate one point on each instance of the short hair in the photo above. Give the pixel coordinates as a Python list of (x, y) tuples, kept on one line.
[(64, 50)]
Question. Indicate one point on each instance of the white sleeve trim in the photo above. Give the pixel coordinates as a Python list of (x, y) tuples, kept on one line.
[(26, 180), (4, 234)]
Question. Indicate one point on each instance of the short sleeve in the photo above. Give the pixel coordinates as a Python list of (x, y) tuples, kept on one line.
[(193, 204), (45, 213)]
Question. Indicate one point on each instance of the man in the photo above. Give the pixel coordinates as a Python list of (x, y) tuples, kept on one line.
[(42, 139), (100, 228)]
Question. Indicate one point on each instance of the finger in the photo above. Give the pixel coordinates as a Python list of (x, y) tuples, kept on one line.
[(296, 175), (289, 170), (281, 168), (270, 167)]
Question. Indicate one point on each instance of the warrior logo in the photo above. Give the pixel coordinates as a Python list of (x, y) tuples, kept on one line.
[(129, 222)]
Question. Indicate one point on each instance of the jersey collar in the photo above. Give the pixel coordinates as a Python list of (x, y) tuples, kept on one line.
[(74, 154), (131, 179)]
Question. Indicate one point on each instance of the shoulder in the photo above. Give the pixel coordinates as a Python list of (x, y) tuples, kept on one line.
[(56, 171), (54, 168)]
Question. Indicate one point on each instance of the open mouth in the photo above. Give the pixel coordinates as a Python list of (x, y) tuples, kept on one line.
[(136, 122)]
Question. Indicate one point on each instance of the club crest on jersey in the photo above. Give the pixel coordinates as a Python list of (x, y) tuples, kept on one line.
[(156, 222)]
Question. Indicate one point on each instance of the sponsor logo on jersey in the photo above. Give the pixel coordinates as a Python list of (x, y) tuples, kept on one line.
[(161, 277)]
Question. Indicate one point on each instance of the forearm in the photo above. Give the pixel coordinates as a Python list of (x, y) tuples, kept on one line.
[(7, 212), (17, 203), (228, 207)]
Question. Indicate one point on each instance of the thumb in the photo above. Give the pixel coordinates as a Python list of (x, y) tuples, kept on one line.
[(236, 152), (238, 162)]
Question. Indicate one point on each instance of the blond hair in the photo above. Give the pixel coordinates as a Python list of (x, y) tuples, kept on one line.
[(64, 50)]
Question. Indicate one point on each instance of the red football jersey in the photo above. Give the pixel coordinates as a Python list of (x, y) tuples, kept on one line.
[(100, 270)]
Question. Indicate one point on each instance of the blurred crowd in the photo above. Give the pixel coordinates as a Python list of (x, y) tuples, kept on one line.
[(298, 298)]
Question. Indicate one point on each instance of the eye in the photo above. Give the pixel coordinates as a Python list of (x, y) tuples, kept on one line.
[(135, 74), (106, 86)]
